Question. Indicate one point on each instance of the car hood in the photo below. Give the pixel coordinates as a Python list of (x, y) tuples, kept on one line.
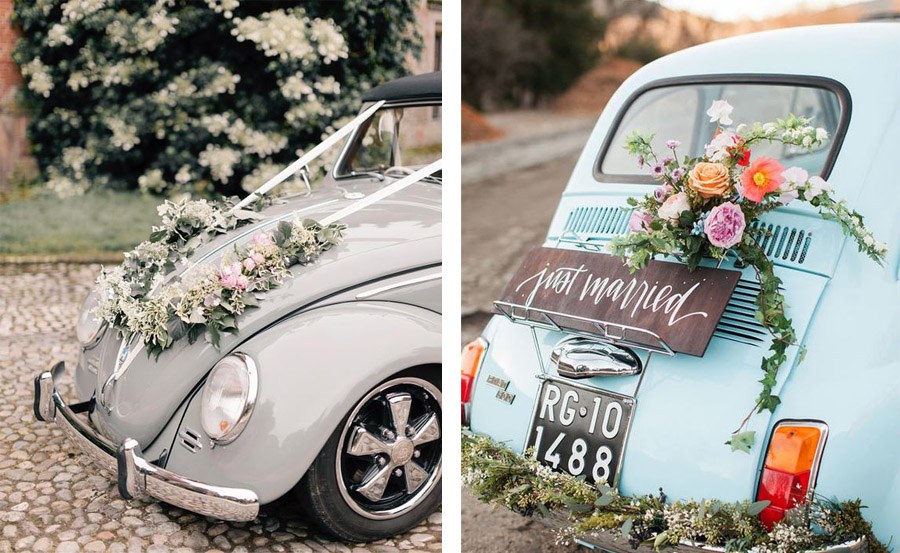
[(395, 235)]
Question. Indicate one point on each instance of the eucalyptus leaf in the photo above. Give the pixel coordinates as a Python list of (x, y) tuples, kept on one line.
[(626, 527), (757, 507), (605, 500)]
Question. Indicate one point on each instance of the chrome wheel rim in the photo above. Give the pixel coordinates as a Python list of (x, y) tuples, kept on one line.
[(389, 457)]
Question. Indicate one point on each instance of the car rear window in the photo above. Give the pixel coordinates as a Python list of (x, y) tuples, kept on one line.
[(678, 111)]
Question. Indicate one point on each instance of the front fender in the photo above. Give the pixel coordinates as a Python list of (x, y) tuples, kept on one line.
[(313, 368)]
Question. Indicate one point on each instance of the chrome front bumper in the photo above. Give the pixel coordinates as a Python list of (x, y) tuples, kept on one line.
[(137, 477)]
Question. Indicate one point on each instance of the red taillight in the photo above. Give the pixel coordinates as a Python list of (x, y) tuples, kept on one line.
[(791, 462), (471, 361)]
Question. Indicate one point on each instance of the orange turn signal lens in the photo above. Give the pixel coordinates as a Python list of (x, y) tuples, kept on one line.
[(793, 448), (789, 470), (471, 361)]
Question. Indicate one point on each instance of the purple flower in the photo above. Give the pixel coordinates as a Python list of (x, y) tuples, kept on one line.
[(639, 221), (667, 160), (658, 170), (640, 162), (725, 225), (660, 193), (677, 173), (672, 144)]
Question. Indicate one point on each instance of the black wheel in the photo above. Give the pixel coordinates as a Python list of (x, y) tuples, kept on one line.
[(379, 474)]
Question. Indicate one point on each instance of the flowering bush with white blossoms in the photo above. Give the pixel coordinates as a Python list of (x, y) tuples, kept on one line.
[(498, 475), (707, 206), (172, 97), (136, 298)]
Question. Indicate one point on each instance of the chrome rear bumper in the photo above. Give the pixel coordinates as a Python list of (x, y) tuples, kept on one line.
[(136, 476)]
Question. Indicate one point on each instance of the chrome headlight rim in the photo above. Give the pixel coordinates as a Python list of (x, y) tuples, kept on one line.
[(249, 365), (92, 338)]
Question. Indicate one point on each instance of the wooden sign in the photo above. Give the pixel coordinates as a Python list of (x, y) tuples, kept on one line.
[(680, 306)]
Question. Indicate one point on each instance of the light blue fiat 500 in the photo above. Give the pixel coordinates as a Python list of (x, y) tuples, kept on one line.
[(665, 417)]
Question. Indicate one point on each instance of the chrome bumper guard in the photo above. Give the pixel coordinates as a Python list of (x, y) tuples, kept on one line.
[(137, 477)]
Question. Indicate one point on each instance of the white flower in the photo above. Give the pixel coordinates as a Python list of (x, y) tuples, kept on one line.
[(39, 79), (794, 178), (220, 161), (58, 35), (815, 186), (869, 240), (717, 149), (821, 135), (673, 206), (720, 112)]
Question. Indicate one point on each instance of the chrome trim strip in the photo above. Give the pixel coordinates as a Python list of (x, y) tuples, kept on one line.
[(136, 475), (393, 286)]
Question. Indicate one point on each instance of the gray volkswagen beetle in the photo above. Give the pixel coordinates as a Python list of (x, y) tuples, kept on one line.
[(331, 390)]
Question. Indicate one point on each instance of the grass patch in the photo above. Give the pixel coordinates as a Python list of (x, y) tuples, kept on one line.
[(96, 223)]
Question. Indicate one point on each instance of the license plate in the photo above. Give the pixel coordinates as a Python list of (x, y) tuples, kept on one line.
[(581, 431)]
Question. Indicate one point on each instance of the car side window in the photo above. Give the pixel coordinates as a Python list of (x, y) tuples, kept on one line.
[(679, 112)]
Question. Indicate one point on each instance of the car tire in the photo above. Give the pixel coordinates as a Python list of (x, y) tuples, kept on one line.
[(340, 490)]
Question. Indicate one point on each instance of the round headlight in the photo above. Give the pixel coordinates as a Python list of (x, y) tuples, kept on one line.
[(228, 398), (89, 327)]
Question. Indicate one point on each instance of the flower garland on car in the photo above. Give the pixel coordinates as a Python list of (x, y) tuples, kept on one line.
[(520, 482), (134, 298), (707, 206)]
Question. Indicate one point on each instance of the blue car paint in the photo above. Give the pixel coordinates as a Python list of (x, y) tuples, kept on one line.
[(845, 308)]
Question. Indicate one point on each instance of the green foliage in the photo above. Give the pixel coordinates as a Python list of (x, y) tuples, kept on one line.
[(643, 50), (200, 97), (498, 475), (95, 223), (516, 52)]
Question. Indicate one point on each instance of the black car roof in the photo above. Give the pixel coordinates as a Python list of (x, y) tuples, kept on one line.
[(416, 87)]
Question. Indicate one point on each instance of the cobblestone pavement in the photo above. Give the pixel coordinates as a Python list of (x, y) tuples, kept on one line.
[(49, 501)]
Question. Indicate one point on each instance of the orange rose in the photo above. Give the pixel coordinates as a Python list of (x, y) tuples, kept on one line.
[(709, 179)]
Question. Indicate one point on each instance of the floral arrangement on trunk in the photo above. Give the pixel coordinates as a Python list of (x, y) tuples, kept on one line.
[(135, 297), (521, 483), (706, 207)]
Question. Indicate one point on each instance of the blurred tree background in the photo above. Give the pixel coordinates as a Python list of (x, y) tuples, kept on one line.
[(205, 97), (516, 53)]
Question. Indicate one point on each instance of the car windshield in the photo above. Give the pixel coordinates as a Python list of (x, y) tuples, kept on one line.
[(679, 113), (396, 140)]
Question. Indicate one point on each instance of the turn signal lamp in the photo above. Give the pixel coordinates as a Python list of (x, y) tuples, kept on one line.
[(472, 354), (792, 460)]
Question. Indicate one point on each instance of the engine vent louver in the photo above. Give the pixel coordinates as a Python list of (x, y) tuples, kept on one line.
[(738, 323), (598, 220), (783, 243)]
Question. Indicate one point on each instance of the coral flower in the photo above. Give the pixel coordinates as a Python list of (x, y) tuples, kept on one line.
[(763, 176)]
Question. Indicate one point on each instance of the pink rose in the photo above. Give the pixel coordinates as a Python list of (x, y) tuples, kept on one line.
[(262, 239), (241, 282), (258, 258), (725, 225), (673, 206), (249, 264), (639, 221)]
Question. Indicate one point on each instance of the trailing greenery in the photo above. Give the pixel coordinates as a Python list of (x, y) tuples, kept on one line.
[(498, 475), (101, 222), (707, 207), (181, 96)]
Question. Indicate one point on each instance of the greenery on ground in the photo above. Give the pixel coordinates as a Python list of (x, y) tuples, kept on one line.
[(198, 97), (517, 52), (100, 222), (519, 482)]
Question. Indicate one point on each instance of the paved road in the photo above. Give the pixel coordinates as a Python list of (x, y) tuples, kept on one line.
[(51, 502), (501, 219)]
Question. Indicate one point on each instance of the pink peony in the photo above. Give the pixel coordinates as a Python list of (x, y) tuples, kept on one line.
[(639, 221), (258, 258), (262, 239), (673, 206), (230, 276), (725, 225), (249, 264)]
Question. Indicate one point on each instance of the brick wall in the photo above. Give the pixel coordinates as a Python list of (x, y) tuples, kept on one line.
[(9, 71)]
